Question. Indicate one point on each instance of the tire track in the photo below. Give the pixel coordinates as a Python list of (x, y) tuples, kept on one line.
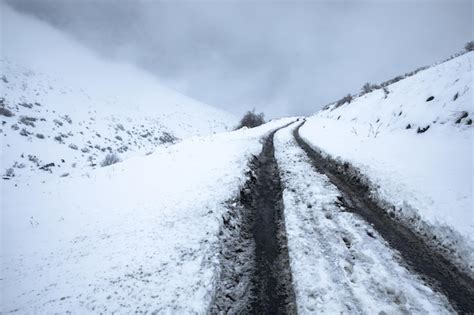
[(256, 276), (272, 283), (433, 267)]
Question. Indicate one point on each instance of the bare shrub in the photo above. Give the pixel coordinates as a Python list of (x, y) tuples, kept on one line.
[(374, 130), (58, 122), (67, 119), (24, 132), (386, 92), (27, 105), (167, 138), (461, 117), (469, 46), (345, 99), (9, 172), (422, 130), (368, 87), (110, 159), (27, 120), (251, 120), (6, 112), (59, 139)]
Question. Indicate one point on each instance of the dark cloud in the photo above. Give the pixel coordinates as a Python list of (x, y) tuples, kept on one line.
[(282, 57)]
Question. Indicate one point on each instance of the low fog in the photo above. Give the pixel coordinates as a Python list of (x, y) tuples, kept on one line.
[(283, 58)]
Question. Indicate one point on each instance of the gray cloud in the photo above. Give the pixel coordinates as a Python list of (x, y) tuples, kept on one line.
[(281, 57)]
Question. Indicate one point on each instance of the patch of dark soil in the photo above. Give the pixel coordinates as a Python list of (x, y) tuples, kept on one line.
[(420, 257)]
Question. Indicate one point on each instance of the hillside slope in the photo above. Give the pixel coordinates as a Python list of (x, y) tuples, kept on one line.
[(414, 148), (61, 104), (141, 235)]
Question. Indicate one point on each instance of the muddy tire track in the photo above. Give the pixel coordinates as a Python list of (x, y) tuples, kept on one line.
[(272, 283), (256, 276), (432, 266)]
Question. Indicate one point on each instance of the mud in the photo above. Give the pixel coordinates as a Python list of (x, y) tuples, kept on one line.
[(255, 270), (271, 284)]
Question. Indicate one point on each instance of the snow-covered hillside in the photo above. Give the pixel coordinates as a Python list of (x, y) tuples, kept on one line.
[(62, 106), (414, 145), (142, 235), (119, 195)]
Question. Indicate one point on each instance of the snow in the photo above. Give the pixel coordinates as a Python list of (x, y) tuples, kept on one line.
[(139, 235), (134, 236), (42, 48), (337, 267), (94, 106), (143, 234), (426, 176)]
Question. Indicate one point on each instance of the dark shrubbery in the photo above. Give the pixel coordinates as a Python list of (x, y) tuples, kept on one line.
[(345, 99), (73, 146), (110, 159), (26, 120), (9, 173), (422, 130), (6, 112), (251, 119), (368, 87), (3, 110), (167, 137), (469, 46), (461, 117), (386, 92)]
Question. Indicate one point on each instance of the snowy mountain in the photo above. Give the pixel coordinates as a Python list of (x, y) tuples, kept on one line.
[(413, 144), (62, 112), (363, 208)]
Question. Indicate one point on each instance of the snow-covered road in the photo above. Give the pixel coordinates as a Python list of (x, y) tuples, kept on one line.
[(141, 235), (338, 261), (172, 233)]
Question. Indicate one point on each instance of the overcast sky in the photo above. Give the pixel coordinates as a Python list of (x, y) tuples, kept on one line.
[(282, 57)]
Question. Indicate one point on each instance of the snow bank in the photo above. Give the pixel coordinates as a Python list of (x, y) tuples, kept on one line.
[(426, 175), (138, 235)]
